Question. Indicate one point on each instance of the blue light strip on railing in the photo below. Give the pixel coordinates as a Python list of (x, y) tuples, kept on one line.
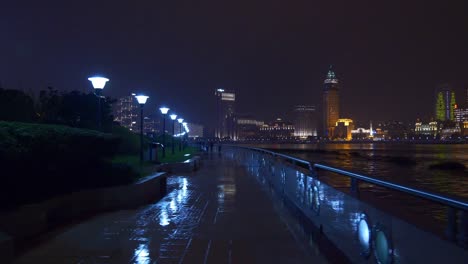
[(430, 196)]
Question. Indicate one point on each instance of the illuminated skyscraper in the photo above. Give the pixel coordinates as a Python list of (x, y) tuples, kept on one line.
[(445, 104), (331, 104), (225, 114), (305, 121)]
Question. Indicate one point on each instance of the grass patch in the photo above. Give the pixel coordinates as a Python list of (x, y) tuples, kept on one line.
[(179, 156)]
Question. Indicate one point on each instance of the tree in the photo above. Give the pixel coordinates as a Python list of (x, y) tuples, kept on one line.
[(16, 106)]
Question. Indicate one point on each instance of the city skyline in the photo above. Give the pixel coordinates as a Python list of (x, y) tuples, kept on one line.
[(280, 58)]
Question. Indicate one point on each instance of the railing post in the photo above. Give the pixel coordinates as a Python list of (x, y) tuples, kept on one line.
[(463, 229), (451, 229), (355, 187)]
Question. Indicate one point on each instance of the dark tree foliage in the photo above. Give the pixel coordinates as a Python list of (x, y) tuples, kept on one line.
[(16, 106), (74, 109)]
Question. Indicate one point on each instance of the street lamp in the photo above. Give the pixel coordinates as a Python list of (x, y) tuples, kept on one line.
[(186, 133), (98, 84), (173, 118), (164, 111), (142, 101), (180, 120)]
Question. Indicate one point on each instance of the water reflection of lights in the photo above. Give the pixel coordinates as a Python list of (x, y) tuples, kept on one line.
[(164, 218), (354, 219), (173, 205), (141, 254), (316, 199), (184, 183), (337, 205), (174, 202)]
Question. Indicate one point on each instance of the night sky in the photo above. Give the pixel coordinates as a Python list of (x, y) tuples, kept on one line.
[(389, 56)]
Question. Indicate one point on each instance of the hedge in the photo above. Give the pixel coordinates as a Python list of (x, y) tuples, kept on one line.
[(40, 161)]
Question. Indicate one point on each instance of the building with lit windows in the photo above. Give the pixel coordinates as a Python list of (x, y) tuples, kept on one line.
[(305, 121), (151, 126), (225, 114), (445, 104), (464, 128), (343, 129), (426, 129), (277, 130), (331, 104), (367, 134), (126, 113), (248, 128), (461, 114)]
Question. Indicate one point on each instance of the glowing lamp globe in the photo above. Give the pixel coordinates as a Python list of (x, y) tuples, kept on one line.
[(173, 116), (180, 120), (142, 99), (98, 82), (164, 110)]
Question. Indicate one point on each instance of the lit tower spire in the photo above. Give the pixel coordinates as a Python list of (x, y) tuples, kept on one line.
[(371, 133), (331, 77)]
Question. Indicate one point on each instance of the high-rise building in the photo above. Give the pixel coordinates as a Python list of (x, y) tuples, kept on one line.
[(225, 114), (331, 104), (305, 121), (151, 126), (126, 112), (445, 104)]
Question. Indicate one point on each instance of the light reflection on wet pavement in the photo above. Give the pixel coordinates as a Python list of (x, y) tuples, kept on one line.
[(216, 215)]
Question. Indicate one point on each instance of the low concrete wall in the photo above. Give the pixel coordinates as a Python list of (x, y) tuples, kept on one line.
[(32, 220), (189, 165)]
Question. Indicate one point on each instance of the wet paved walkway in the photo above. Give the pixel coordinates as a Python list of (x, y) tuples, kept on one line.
[(219, 214)]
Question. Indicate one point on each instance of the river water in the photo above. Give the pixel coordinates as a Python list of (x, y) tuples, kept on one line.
[(404, 164)]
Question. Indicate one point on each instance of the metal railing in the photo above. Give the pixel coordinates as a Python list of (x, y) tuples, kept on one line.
[(452, 204)]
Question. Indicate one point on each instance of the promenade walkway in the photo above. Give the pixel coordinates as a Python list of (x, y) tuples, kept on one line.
[(219, 214)]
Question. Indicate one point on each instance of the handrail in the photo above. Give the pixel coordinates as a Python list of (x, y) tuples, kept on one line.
[(422, 194)]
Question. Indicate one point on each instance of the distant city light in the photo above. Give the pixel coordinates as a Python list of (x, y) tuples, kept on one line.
[(220, 90), (98, 82)]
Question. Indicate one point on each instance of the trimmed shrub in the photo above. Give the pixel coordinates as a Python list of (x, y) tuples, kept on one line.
[(41, 161)]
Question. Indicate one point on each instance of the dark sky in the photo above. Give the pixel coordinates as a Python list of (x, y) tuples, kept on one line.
[(389, 56)]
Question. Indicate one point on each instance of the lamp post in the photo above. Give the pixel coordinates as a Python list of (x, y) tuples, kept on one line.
[(164, 111), (98, 85), (185, 133), (180, 120), (142, 101), (173, 118)]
